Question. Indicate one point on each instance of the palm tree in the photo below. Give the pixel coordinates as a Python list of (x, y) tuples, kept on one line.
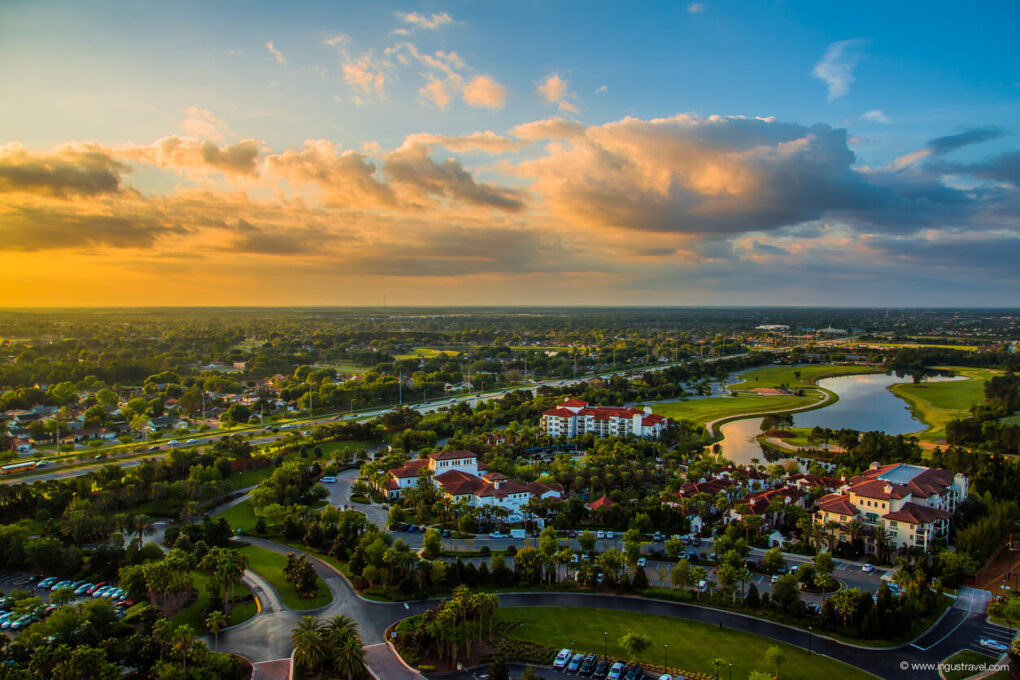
[(182, 638), (309, 645), (349, 657), (825, 582), (216, 621), (882, 539), (854, 528)]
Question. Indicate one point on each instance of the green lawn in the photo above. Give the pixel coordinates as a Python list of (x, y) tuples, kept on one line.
[(966, 657), (240, 516), (692, 645), (269, 565), (937, 403), (354, 445), (792, 376), (706, 410), (192, 614)]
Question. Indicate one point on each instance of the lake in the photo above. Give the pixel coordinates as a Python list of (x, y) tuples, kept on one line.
[(865, 404)]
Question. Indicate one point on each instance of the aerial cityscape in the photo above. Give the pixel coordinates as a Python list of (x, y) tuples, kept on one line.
[(653, 341)]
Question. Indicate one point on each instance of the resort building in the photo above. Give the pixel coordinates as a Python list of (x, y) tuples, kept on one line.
[(574, 417), (913, 504), (460, 475)]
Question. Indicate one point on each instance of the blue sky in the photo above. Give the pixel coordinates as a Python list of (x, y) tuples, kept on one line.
[(724, 225)]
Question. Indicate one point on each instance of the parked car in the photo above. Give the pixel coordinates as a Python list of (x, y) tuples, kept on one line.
[(616, 672), (588, 666), (46, 582), (600, 534), (575, 663), (562, 659), (328, 479), (634, 672), (641, 562), (601, 669), (497, 534), (610, 535), (657, 537), (868, 568), (775, 577), (993, 645), (667, 676)]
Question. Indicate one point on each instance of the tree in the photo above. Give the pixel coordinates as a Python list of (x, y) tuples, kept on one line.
[(498, 670), (697, 576), (309, 644), (345, 647), (845, 602), (775, 656), (432, 544), (681, 574), (826, 582), (634, 643), (772, 561), (673, 547), (62, 596), (215, 622), (786, 591), (586, 541)]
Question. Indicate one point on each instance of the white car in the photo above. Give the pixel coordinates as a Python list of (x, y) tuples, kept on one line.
[(610, 535), (642, 562), (329, 479), (173, 442), (868, 568), (562, 659), (616, 671), (191, 441), (665, 676), (497, 534), (993, 645), (600, 534)]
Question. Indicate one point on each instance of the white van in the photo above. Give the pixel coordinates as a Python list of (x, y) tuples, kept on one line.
[(328, 479)]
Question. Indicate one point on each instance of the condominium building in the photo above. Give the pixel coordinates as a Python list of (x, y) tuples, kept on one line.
[(911, 503), (574, 417)]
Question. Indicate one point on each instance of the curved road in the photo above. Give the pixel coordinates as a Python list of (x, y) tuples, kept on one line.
[(267, 635)]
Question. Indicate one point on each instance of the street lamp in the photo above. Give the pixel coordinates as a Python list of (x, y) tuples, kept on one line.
[(605, 650), (665, 659), (731, 671), (809, 629)]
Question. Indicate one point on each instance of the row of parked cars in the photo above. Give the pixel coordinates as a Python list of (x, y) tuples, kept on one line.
[(591, 666), (101, 589)]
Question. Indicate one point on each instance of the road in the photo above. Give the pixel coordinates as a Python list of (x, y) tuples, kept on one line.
[(267, 635)]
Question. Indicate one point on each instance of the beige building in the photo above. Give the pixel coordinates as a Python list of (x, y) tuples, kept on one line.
[(913, 504)]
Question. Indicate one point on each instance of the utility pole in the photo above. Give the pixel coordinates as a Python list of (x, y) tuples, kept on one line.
[(400, 387)]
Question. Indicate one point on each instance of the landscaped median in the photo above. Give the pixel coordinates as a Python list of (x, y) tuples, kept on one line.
[(968, 663), (270, 564)]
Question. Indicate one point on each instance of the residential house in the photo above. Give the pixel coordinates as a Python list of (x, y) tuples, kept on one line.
[(575, 417)]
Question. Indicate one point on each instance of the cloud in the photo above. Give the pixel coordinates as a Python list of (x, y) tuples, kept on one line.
[(602, 89), (338, 39), (1004, 167), (555, 90), (202, 124), (345, 178), (67, 170), (551, 128), (875, 116), (836, 68), (696, 7), (719, 176), (941, 146), (365, 74), (484, 91), (53, 227), (414, 171), (436, 91), (417, 21), (239, 159), (293, 241), (276, 53), (487, 141)]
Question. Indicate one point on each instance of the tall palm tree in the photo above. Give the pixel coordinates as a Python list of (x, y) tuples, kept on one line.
[(216, 621), (182, 638), (309, 644), (349, 657)]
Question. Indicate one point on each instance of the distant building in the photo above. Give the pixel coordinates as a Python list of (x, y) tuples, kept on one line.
[(574, 417), (913, 504), (772, 327)]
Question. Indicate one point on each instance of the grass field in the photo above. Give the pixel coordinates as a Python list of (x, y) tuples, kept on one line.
[(968, 657), (692, 645), (706, 410), (899, 345), (792, 376), (269, 565), (192, 614), (240, 516), (937, 403)]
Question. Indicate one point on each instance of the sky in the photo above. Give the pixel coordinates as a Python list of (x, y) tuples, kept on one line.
[(525, 153)]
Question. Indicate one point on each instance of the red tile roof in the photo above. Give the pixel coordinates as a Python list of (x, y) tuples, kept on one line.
[(914, 513), (838, 504), (603, 502), (576, 403), (559, 412), (410, 468)]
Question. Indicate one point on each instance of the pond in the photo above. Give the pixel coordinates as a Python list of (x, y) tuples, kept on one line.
[(865, 404)]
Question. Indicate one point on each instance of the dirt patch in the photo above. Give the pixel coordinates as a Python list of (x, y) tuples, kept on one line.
[(768, 391)]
